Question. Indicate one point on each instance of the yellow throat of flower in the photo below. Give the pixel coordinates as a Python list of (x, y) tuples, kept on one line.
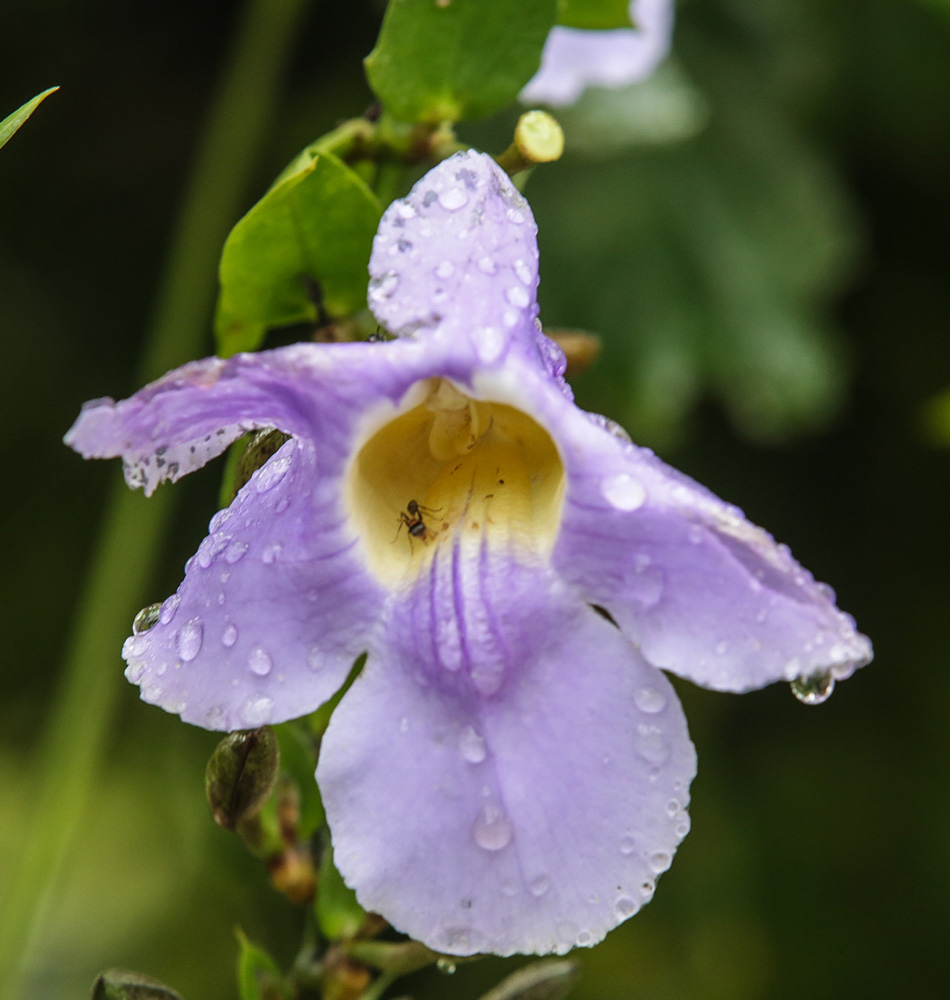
[(452, 468)]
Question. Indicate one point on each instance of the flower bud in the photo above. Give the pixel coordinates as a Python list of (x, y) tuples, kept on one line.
[(580, 348), (120, 984), (241, 774)]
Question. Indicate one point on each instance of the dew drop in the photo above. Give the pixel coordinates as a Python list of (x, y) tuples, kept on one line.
[(444, 269), (258, 711), (814, 689), (517, 296), (146, 618), (627, 845), (539, 885), (515, 216), (647, 889), (660, 862), (623, 491), (235, 552), (405, 210), (486, 265), (260, 662), (650, 700), (188, 640), (651, 745), (445, 966), (584, 939), (314, 659), (453, 198), (271, 552), (491, 831), (626, 907), (169, 607), (472, 745), (272, 473), (229, 636), (383, 287), (523, 271), (672, 807), (722, 647)]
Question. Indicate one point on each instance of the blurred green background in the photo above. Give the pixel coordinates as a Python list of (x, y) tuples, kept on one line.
[(764, 252)]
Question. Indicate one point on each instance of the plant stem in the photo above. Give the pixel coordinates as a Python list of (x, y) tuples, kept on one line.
[(130, 536)]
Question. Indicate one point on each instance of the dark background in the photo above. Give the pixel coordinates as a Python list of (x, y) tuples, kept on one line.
[(771, 283)]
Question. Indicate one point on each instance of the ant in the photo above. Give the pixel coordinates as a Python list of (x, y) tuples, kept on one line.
[(411, 517)]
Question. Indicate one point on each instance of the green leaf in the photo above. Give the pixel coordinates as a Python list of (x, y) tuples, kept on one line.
[(594, 14), (258, 976), (449, 60), (11, 123), (338, 913), (313, 229)]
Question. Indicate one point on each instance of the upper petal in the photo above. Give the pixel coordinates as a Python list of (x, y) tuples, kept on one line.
[(574, 59), (458, 257), (531, 820)]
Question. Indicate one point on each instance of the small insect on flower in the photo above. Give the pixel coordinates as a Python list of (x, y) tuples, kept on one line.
[(412, 518)]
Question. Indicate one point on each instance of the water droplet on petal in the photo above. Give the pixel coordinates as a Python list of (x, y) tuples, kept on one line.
[(517, 296), (584, 939), (814, 689), (404, 725), (453, 198), (235, 551), (651, 744), (523, 271), (627, 845), (660, 862), (229, 636), (472, 745), (650, 700), (722, 647), (647, 890), (188, 640), (626, 907), (314, 658), (271, 552), (492, 831), (258, 711), (444, 269), (405, 210), (383, 287), (672, 807), (623, 491), (486, 265), (539, 885), (169, 607), (146, 618), (272, 473), (515, 216), (445, 966), (259, 661)]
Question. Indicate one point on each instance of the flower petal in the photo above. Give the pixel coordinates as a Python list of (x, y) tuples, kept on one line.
[(533, 820), (701, 590), (458, 256), (274, 608), (574, 59)]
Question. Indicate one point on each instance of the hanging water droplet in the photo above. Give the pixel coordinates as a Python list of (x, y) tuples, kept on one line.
[(188, 640), (260, 662), (539, 885), (146, 618), (258, 711), (445, 966), (650, 700), (453, 198), (623, 491), (583, 939), (491, 831), (472, 745), (814, 689), (229, 635), (647, 889), (660, 861)]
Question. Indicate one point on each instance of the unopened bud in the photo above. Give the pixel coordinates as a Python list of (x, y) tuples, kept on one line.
[(120, 984), (580, 348), (549, 980), (241, 774)]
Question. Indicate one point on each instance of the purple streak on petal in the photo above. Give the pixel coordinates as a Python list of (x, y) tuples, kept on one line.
[(274, 607), (574, 59), (531, 821), (458, 257)]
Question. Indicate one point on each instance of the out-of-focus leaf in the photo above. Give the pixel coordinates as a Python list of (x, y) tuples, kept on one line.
[(460, 60), (550, 980), (120, 984), (595, 14), (338, 913), (312, 230), (936, 419), (257, 973), (11, 123)]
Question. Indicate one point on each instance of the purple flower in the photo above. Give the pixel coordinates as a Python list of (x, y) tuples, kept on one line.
[(510, 772), (574, 59)]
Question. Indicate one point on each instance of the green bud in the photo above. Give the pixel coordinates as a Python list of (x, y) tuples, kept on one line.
[(120, 984), (241, 774), (549, 980)]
